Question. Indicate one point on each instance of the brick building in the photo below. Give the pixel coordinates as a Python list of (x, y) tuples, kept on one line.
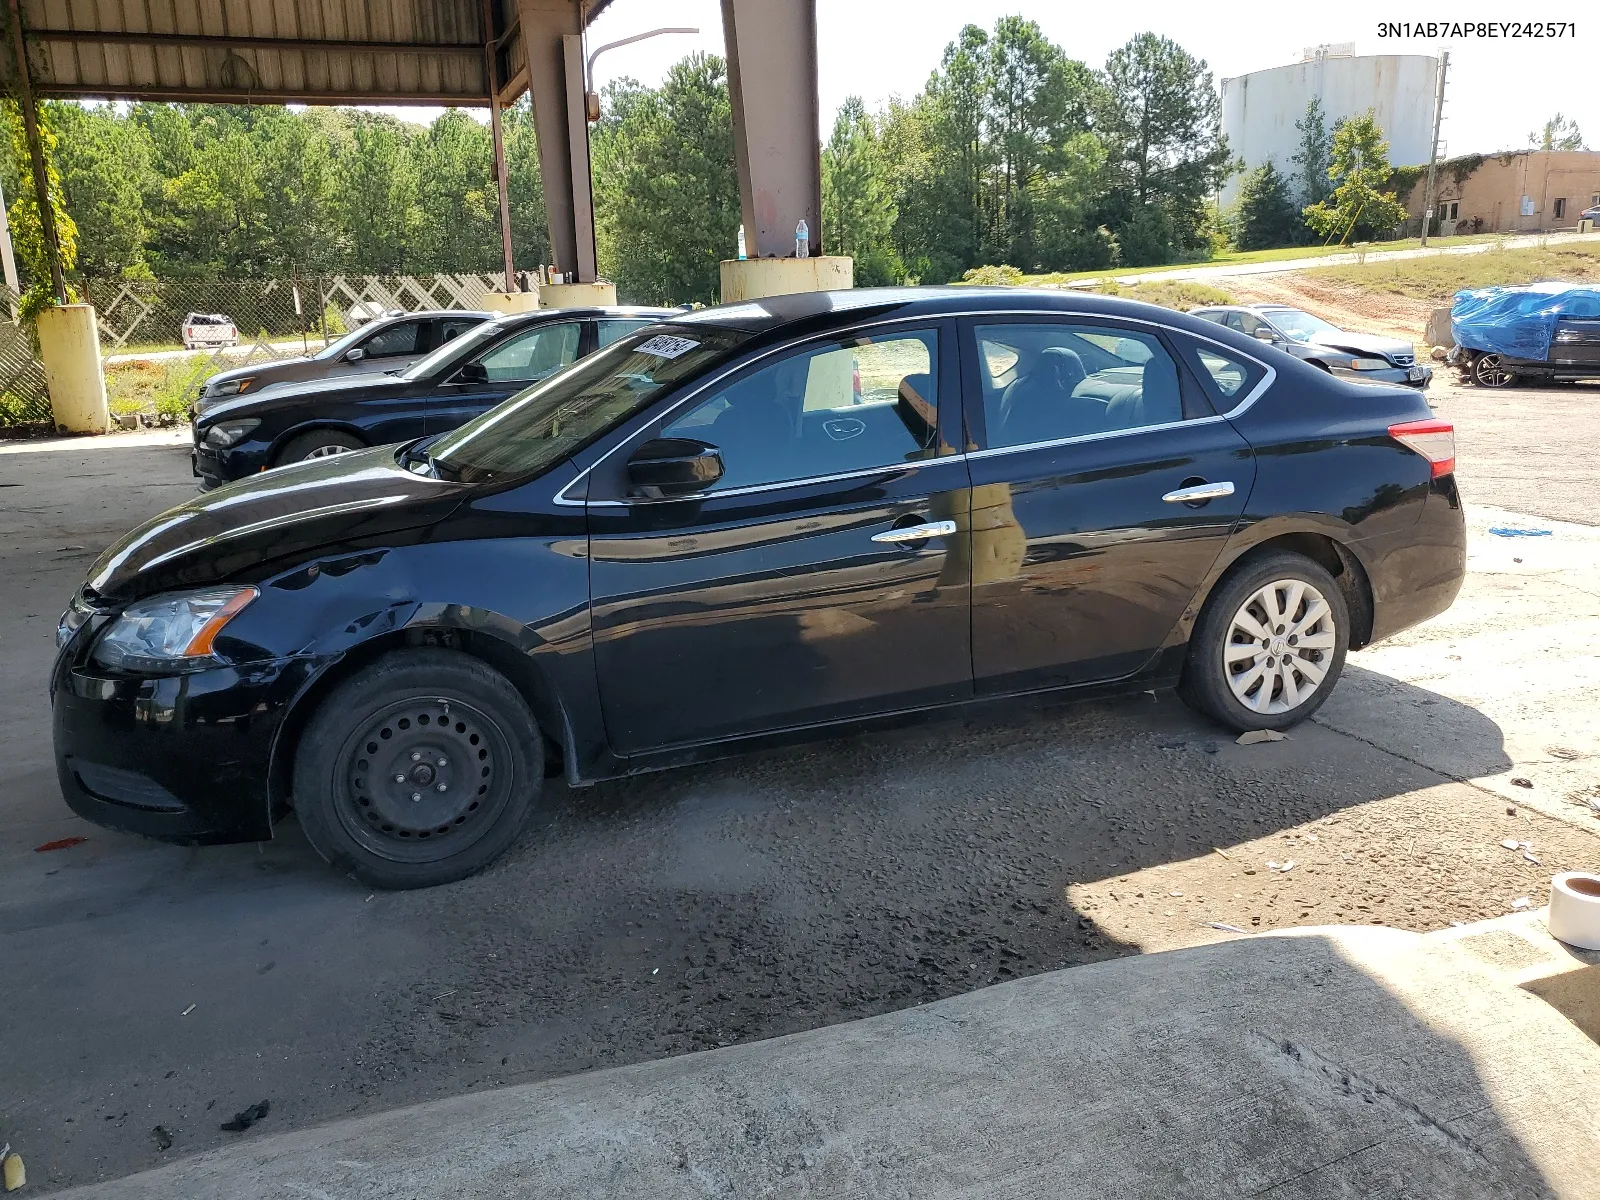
[(1520, 191)]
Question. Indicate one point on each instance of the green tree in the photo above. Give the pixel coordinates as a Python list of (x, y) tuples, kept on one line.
[(1264, 216), (27, 230), (530, 232), (666, 195), (858, 213), (458, 204), (1559, 133), (379, 199), (299, 219), (1312, 156), (1161, 120), (1359, 166), (105, 166)]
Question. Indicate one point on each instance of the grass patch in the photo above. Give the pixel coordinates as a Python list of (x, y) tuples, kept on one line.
[(1256, 256), (1436, 280), (1181, 294), (160, 388)]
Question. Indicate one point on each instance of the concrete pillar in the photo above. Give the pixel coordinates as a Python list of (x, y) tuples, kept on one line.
[(753, 278), (510, 302), (772, 83), (576, 295), (69, 345), (552, 43)]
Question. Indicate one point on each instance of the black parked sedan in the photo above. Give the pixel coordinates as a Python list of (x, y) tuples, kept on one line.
[(753, 523), (461, 378)]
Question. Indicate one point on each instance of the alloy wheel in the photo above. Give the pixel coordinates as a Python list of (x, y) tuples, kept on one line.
[(1490, 371), (328, 450), (1279, 647)]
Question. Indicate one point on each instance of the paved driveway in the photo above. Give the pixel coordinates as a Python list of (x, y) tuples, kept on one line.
[(151, 985)]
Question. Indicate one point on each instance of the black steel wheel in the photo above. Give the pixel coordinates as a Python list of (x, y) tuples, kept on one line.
[(418, 770)]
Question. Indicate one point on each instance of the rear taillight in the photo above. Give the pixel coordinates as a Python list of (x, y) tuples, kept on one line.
[(1435, 440)]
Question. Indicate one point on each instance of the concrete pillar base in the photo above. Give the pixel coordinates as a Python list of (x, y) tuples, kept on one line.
[(753, 278), (69, 347), (576, 295), (510, 302)]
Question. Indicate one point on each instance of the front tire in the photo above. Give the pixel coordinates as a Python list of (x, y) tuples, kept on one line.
[(1269, 646), (418, 770), (319, 443)]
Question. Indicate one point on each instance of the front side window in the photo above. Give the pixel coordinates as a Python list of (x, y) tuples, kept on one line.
[(545, 423), (450, 328), (533, 354), (1067, 381), (848, 405), (398, 339), (1301, 326)]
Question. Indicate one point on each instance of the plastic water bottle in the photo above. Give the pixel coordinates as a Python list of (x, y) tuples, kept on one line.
[(802, 240), (742, 254)]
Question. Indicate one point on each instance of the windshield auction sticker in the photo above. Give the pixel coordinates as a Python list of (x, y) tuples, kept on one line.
[(666, 346)]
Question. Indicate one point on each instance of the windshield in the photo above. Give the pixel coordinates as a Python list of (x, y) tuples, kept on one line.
[(335, 349), (1301, 326), (452, 351), (555, 417)]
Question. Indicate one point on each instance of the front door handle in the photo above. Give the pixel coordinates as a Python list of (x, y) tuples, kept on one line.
[(917, 533), (1200, 493)]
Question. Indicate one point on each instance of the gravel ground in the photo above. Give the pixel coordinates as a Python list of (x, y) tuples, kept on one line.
[(155, 985)]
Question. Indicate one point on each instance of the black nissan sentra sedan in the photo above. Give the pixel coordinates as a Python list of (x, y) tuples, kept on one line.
[(464, 376), (750, 524)]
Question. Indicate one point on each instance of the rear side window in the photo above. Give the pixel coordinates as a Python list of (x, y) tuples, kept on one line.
[(1048, 382), (398, 339), (610, 330), (1227, 377)]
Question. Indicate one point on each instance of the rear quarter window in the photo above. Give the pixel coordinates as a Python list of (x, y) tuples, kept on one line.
[(1227, 376)]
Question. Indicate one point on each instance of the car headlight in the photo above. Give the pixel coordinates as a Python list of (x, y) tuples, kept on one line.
[(170, 632), (74, 619), (229, 387), (226, 433), (1368, 364)]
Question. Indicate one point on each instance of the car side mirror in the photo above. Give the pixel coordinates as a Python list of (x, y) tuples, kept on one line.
[(355, 355), (1265, 335), (669, 467), (472, 372)]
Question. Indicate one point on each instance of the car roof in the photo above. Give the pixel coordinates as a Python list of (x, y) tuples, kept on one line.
[(820, 311), (596, 310)]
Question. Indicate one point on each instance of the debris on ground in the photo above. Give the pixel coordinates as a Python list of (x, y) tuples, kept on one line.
[(1521, 902), (1519, 781), (1251, 737), (188, 1010), (1283, 866), (162, 1136), (1224, 926), (65, 843), (12, 1171), (1514, 531), (243, 1120), (1565, 753), (1511, 843)]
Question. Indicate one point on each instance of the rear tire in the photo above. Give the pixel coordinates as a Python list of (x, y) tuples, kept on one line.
[(319, 443), (1269, 646), (419, 769), (1489, 370)]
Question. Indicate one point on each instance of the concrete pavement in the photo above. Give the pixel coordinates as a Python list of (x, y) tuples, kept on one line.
[(1336, 1062)]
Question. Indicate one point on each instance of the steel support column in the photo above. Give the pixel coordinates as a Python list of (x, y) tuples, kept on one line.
[(551, 33), (772, 82)]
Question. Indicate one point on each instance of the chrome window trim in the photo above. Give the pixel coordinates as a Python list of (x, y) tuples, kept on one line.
[(1001, 318)]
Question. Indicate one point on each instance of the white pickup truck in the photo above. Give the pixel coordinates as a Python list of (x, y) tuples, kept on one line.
[(208, 329)]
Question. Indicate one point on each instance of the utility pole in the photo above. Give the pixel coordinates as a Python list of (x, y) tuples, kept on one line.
[(1433, 152), (41, 178), (492, 75)]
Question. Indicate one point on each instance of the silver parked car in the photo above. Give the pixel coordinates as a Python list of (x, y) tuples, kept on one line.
[(386, 344), (1367, 356)]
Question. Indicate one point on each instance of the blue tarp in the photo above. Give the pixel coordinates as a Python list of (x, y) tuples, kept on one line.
[(1519, 321)]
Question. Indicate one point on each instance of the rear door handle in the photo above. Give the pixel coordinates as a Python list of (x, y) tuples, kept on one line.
[(1200, 492), (920, 533)]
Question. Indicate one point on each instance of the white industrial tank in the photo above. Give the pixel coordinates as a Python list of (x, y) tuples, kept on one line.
[(1259, 110)]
